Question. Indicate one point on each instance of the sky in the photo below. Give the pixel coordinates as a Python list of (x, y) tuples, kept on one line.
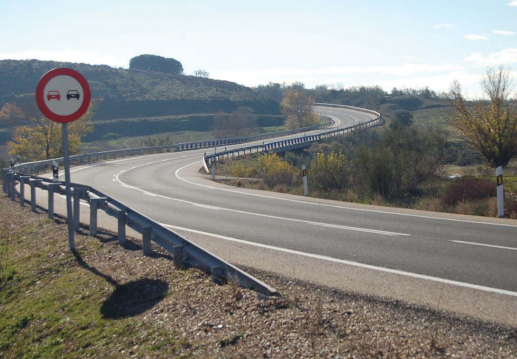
[(401, 43)]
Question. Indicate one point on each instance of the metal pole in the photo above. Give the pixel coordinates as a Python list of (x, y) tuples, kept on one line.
[(66, 160), (500, 192), (305, 187)]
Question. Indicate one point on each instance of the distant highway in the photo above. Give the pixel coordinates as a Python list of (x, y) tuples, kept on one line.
[(423, 257)]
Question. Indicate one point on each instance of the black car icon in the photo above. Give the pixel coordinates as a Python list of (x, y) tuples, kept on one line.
[(72, 94)]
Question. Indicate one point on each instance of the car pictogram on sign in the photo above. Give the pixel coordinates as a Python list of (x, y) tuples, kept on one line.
[(53, 95), (72, 94)]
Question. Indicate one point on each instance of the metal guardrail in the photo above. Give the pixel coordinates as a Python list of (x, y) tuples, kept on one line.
[(185, 253), (293, 142), (38, 167), (239, 140)]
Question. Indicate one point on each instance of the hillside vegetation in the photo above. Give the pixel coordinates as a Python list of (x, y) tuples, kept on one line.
[(136, 93)]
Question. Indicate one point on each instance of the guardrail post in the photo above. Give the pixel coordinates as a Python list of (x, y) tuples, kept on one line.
[(13, 186), (177, 256), (23, 179), (51, 190), (121, 219), (147, 233), (95, 204), (77, 194), (34, 183), (217, 275)]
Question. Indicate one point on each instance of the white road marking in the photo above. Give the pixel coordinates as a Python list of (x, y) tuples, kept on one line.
[(486, 245), (350, 263), (329, 205), (356, 229)]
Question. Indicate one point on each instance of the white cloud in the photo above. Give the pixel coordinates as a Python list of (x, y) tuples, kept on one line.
[(443, 26), (512, 3), (503, 32), (475, 37), (66, 56), (505, 57), (349, 75)]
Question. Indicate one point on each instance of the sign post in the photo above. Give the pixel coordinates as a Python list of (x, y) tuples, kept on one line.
[(500, 192), (63, 95), (305, 187)]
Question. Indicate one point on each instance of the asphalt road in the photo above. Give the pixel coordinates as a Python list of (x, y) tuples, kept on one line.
[(460, 251)]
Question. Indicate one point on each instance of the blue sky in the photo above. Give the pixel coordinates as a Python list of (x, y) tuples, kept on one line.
[(390, 43)]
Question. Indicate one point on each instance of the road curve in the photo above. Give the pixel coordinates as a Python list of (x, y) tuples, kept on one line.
[(473, 254)]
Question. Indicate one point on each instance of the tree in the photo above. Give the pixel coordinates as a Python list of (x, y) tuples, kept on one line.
[(157, 64), (241, 123), (297, 106), (39, 138), (396, 163), (201, 73), (488, 126), (402, 119)]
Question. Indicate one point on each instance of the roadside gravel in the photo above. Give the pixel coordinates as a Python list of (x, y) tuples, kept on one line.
[(225, 321)]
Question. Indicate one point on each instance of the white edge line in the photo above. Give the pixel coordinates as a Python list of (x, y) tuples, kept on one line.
[(485, 245), (334, 206), (202, 205), (355, 264)]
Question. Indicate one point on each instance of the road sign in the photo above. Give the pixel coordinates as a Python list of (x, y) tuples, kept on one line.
[(63, 95)]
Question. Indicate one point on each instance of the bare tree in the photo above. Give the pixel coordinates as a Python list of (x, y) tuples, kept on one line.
[(489, 126), (201, 73)]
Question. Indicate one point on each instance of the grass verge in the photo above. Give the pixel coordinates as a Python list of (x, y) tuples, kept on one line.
[(109, 301)]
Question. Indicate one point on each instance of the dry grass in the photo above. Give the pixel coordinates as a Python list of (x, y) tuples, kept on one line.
[(109, 301)]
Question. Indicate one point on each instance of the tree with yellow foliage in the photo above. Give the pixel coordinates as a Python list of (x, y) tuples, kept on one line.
[(35, 138), (297, 106), (488, 126)]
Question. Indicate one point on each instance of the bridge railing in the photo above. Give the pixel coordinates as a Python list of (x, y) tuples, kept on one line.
[(283, 145), (184, 252)]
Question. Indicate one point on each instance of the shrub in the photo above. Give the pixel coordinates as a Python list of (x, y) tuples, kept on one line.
[(329, 172), (240, 169), (468, 189), (275, 171)]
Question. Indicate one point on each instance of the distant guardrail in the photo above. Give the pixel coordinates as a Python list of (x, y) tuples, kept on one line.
[(238, 140), (283, 145), (184, 252)]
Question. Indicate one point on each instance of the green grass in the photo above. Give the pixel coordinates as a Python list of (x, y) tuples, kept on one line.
[(51, 306)]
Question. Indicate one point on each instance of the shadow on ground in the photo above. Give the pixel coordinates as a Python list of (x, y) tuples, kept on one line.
[(128, 299), (134, 298)]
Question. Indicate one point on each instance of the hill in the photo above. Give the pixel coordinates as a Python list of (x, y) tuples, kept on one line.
[(137, 93)]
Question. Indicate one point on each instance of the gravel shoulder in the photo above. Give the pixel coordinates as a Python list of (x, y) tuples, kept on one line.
[(110, 301)]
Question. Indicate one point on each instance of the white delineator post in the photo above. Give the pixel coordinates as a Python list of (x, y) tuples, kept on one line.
[(500, 192), (213, 171), (305, 187)]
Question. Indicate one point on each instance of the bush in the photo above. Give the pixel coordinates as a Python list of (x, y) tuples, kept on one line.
[(239, 169), (275, 171), (398, 162), (468, 189), (329, 172)]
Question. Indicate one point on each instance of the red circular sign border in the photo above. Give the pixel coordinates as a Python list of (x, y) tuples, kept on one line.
[(40, 95)]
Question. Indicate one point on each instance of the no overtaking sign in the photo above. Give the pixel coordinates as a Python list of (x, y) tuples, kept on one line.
[(63, 95)]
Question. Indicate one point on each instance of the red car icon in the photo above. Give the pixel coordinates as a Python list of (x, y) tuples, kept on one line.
[(53, 95)]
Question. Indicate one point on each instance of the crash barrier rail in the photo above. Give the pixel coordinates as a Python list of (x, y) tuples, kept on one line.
[(35, 168), (26, 173), (277, 146), (239, 140), (184, 252)]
